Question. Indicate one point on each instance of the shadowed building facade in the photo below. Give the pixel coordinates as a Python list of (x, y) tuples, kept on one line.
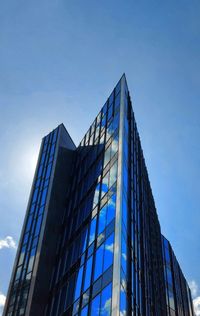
[(91, 242)]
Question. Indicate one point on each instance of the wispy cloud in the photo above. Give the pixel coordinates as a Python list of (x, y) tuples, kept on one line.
[(194, 288), (196, 299), (196, 303), (2, 302), (8, 242)]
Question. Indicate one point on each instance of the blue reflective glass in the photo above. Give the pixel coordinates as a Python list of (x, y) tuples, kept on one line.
[(124, 210), (54, 136), (102, 219), (95, 306), (38, 225), (113, 174), (106, 297), (114, 146), (44, 194), (88, 272), (103, 122), (104, 186), (52, 150), (111, 209), (124, 255), (122, 302), (40, 171), (78, 283), (84, 311), (117, 101), (35, 195), (125, 177), (86, 297), (96, 195), (28, 226), (110, 110), (108, 252), (83, 244), (92, 230), (48, 172), (107, 156), (169, 276), (98, 262), (125, 148)]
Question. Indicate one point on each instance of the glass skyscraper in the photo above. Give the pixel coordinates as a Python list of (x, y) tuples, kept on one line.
[(91, 242)]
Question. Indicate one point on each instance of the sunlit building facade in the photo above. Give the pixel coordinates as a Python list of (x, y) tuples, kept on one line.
[(91, 242)]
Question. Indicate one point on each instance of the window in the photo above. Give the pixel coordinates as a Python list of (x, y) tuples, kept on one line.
[(122, 302), (111, 209), (102, 219), (104, 186), (78, 283), (113, 174), (88, 272), (84, 311), (106, 297), (92, 230), (95, 306), (124, 255), (96, 195), (108, 252), (98, 262)]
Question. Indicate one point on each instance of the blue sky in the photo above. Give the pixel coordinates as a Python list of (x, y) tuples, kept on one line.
[(60, 59)]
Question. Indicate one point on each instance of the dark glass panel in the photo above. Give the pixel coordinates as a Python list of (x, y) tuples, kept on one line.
[(92, 230), (78, 283), (88, 272)]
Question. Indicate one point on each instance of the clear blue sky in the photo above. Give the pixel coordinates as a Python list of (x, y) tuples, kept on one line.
[(60, 59)]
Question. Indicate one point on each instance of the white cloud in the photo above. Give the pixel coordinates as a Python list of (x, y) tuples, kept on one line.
[(2, 302), (109, 247), (196, 303), (194, 288), (8, 242), (2, 299)]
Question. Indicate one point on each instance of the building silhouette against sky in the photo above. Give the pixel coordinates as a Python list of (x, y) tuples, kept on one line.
[(91, 242)]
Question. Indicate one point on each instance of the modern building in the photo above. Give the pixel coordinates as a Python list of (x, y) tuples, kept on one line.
[(91, 242), (179, 301)]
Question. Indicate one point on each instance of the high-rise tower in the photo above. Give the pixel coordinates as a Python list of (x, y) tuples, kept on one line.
[(91, 242)]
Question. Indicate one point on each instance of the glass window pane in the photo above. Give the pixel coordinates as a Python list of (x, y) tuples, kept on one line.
[(84, 311), (124, 255), (107, 156), (96, 195), (95, 306), (108, 252), (92, 230), (102, 219), (113, 174), (114, 146), (104, 186), (122, 302), (88, 272), (78, 283), (106, 297), (98, 262), (111, 209)]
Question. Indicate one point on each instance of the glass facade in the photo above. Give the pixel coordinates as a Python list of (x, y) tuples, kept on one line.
[(178, 297), (32, 226), (105, 254)]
